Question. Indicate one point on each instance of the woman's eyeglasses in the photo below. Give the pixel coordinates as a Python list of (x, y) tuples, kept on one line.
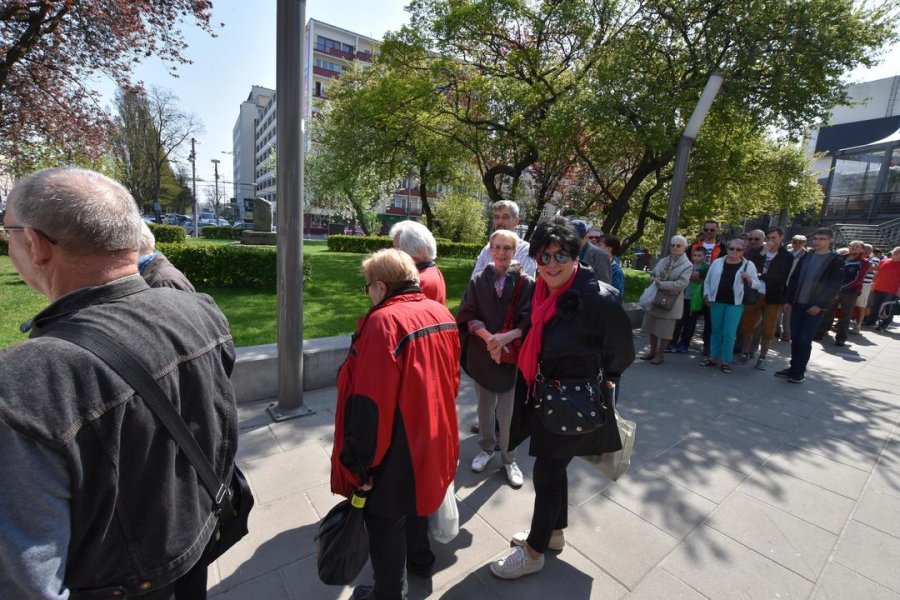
[(731, 249), (365, 288), (560, 256)]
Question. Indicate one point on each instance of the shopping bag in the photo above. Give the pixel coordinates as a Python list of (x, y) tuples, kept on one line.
[(615, 464), (646, 299), (444, 524), (342, 543)]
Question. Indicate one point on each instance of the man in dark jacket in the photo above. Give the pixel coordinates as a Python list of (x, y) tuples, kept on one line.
[(855, 268), (812, 287), (155, 268), (773, 263), (96, 501)]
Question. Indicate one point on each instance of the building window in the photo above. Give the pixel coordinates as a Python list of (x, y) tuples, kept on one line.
[(324, 64), (323, 44)]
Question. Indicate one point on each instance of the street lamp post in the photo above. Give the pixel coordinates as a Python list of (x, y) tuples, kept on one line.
[(193, 159), (215, 162), (682, 157)]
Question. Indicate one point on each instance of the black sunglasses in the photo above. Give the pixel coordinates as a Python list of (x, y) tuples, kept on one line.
[(736, 249), (560, 256)]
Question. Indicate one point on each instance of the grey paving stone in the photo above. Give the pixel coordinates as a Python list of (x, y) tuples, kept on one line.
[(739, 453), (879, 511), (301, 580), (305, 430), (662, 584), (849, 452), (871, 553), (615, 539), (474, 585), (806, 501), (287, 473), (722, 569), (840, 583), (768, 415), (257, 443), (697, 473), (886, 479), (819, 470), (794, 406), (280, 533), (791, 542), (270, 587)]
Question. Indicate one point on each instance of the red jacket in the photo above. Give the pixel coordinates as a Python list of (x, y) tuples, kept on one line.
[(431, 282), (396, 410), (717, 251), (887, 279)]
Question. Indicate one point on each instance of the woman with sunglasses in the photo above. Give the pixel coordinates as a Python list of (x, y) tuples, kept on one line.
[(723, 290), (672, 275), (578, 331)]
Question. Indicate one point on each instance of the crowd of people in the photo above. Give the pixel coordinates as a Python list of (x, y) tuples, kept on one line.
[(98, 501)]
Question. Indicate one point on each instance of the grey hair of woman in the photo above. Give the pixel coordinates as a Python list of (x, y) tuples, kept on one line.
[(414, 239), (84, 210), (680, 239), (148, 240)]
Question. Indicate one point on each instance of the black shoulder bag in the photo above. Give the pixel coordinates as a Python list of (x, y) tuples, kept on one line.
[(570, 406), (233, 502)]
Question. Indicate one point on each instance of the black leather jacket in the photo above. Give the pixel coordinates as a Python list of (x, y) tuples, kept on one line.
[(140, 517)]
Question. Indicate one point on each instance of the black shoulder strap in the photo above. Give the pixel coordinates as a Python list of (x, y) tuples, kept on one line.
[(133, 372)]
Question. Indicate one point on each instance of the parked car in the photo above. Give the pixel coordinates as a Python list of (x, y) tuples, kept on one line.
[(222, 222)]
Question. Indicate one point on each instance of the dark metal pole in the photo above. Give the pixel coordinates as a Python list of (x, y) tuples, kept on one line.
[(289, 197), (196, 232)]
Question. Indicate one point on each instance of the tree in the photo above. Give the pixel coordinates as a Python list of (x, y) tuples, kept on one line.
[(49, 49), (150, 128), (459, 218)]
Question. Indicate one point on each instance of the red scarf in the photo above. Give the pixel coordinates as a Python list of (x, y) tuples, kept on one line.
[(543, 309)]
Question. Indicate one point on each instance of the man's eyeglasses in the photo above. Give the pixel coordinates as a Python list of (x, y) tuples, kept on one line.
[(560, 256), (366, 287), (5, 230), (595, 238), (708, 229), (755, 239), (732, 249)]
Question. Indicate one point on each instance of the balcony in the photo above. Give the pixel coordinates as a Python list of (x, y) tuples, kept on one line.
[(335, 52), (364, 56), (870, 208), (326, 73)]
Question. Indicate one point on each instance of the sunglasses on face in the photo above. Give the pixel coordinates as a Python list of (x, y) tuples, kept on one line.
[(560, 256), (755, 239), (708, 229)]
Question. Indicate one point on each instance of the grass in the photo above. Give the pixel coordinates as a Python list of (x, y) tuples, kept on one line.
[(333, 300)]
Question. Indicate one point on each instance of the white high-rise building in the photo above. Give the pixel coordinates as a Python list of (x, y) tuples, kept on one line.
[(243, 140)]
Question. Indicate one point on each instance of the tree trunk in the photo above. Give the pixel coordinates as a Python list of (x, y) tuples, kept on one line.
[(423, 195)]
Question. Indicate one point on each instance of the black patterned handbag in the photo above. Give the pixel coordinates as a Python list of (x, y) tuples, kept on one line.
[(570, 406)]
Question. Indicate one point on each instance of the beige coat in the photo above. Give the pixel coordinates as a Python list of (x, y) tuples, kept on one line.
[(676, 280)]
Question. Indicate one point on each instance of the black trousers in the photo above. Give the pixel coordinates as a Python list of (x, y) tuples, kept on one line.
[(551, 497), (393, 541)]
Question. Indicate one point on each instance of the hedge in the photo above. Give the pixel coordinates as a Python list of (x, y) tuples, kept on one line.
[(366, 244), (220, 233), (168, 234), (4, 248), (248, 267)]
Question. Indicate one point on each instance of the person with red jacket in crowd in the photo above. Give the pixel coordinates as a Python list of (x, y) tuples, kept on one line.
[(396, 432), (416, 240), (885, 288), (714, 249)]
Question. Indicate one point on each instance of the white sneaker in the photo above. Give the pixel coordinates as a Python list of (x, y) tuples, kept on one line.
[(516, 564), (481, 461), (854, 327), (557, 542), (760, 364), (514, 474)]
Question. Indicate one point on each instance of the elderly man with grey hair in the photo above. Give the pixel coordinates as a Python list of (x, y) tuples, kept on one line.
[(506, 216), (155, 268), (96, 500), (416, 240)]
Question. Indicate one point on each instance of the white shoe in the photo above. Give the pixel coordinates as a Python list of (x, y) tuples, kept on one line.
[(517, 564), (557, 541), (514, 474), (854, 327), (760, 364), (481, 461)]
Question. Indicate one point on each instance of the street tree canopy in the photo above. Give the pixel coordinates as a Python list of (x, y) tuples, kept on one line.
[(50, 48)]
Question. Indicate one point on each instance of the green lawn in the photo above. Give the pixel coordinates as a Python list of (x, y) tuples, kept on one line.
[(332, 303)]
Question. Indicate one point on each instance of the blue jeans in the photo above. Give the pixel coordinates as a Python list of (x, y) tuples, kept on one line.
[(803, 328), (724, 321)]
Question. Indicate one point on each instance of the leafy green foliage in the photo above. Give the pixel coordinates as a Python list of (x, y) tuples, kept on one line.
[(239, 267), (168, 234), (460, 218), (221, 233)]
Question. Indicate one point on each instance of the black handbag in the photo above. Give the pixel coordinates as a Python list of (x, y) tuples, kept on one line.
[(342, 543), (233, 502), (570, 406), (751, 295)]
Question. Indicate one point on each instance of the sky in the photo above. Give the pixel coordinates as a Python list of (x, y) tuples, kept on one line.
[(243, 54)]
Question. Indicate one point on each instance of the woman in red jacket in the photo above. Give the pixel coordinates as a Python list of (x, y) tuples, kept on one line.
[(396, 434)]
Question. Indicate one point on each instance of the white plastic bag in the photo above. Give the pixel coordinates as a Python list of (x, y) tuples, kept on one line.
[(444, 524), (615, 464), (646, 299)]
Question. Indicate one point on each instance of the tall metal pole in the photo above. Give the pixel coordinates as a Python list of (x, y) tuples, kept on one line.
[(215, 162), (289, 159), (193, 158), (682, 156)]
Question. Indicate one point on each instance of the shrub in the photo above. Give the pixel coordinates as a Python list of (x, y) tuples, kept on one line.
[(220, 233), (168, 234), (460, 217), (248, 267), (367, 244), (4, 248), (635, 283)]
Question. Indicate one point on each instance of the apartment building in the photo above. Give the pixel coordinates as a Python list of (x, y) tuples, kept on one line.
[(243, 141)]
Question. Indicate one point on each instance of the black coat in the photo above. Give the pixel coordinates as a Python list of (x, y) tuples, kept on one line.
[(776, 277), (590, 333)]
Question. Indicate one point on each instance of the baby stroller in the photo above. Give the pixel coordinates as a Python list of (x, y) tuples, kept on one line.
[(886, 314)]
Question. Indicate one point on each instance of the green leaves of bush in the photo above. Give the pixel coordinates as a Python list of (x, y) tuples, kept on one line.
[(168, 234), (367, 244), (220, 233), (235, 266)]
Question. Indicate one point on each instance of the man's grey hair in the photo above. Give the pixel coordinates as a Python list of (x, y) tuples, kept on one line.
[(509, 205), (148, 240), (84, 210), (414, 239)]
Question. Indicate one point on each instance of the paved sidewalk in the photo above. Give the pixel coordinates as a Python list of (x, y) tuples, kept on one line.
[(742, 486)]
